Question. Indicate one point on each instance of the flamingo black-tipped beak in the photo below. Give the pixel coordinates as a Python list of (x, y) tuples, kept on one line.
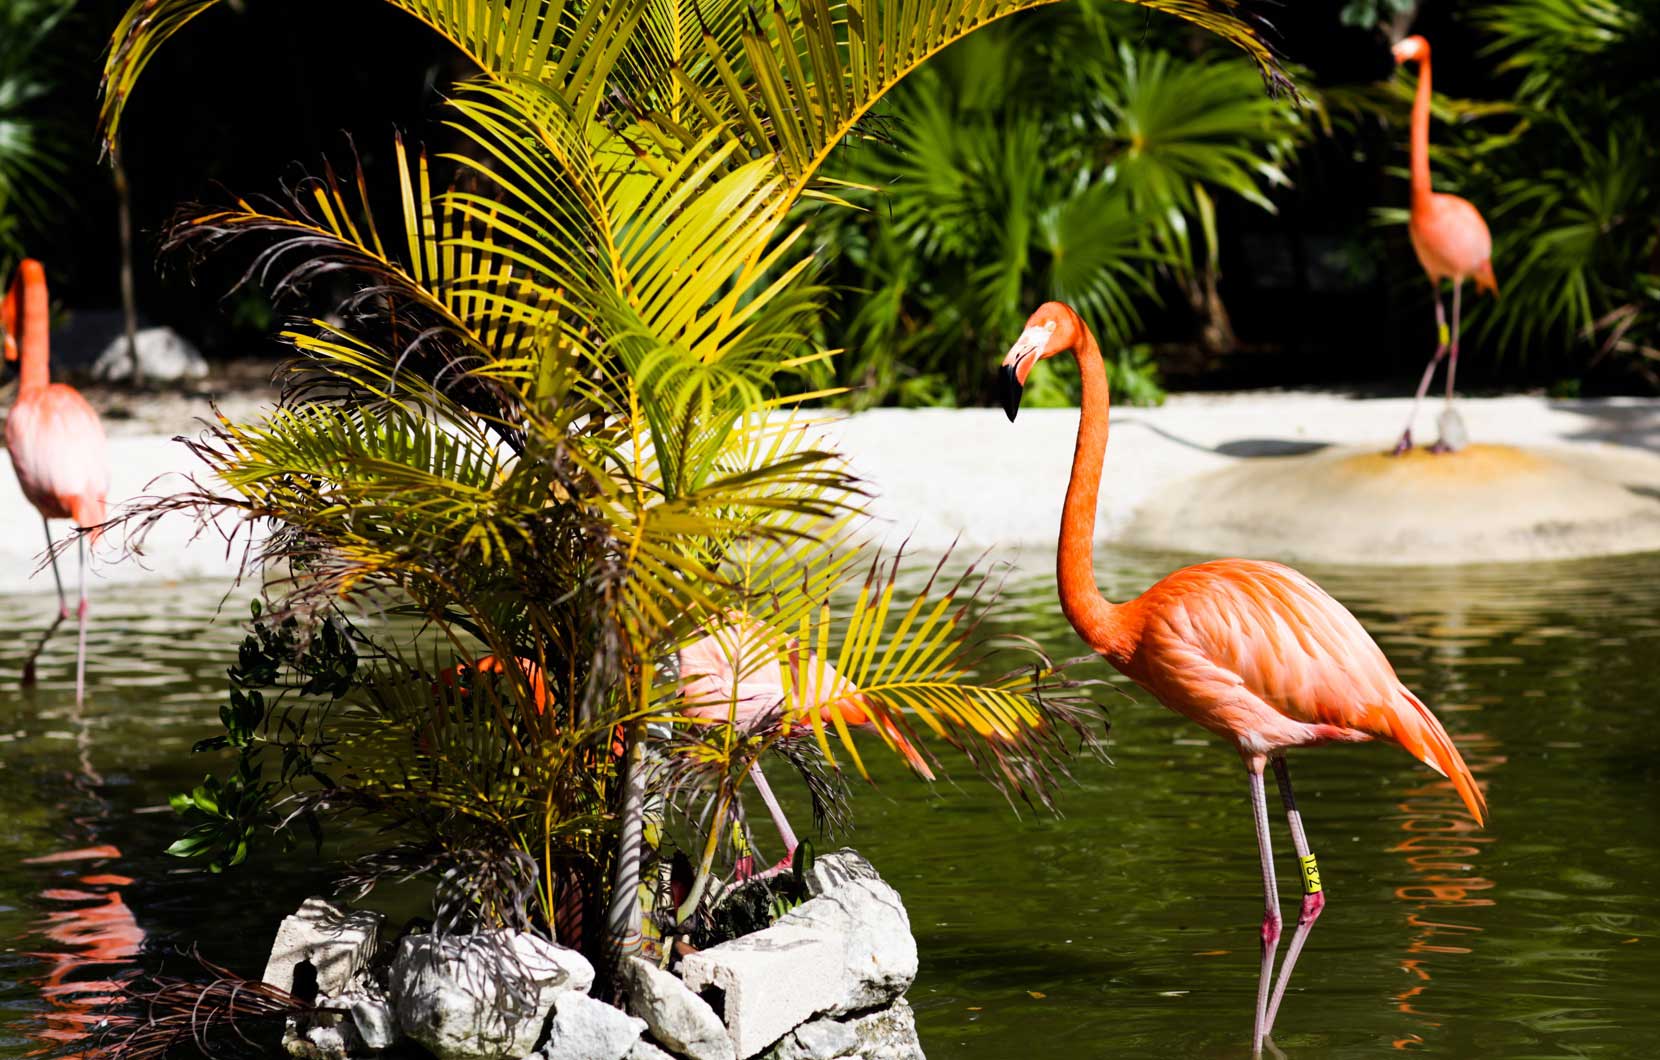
[(1009, 390)]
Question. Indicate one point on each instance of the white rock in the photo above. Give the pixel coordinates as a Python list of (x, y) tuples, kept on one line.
[(888, 1034), (164, 355), (482, 997), (644, 1050), (322, 1036), (768, 982), (836, 868), (675, 1016), (820, 1039), (339, 943), (847, 950), (585, 1029), (884, 1034), (1454, 435), (880, 960), (375, 1022)]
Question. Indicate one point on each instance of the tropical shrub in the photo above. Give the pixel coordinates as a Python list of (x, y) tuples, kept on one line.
[(33, 140), (546, 423), (1086, 169), (1576, 211), (1566, 175)]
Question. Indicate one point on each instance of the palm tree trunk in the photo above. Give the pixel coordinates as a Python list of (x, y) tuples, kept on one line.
[(129, 301), (622, 919)]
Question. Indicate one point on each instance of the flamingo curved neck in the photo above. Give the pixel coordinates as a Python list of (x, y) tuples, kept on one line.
[(32, 371), (1420, 133), (1090, 613)]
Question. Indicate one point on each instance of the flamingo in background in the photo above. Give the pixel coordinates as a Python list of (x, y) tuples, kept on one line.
[(1254, 652), (1450, 238), (56, 444), (735, 675)]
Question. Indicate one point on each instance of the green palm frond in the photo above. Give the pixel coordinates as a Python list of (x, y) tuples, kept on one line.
[(816, 70), (33, 145), (1551, 43), (924, 666)]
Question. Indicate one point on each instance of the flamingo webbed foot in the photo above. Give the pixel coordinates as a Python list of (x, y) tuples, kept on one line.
[(1404, 445)]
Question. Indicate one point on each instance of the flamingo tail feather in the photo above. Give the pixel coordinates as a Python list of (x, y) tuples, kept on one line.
[(1485, 280), (1421, 733)]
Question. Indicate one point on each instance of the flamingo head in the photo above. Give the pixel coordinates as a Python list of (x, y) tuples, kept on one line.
[(1050, 330), (1411, 50)]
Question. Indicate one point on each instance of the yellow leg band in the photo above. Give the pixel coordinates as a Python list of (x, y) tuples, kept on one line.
[(1446, 336), (1311, 875)]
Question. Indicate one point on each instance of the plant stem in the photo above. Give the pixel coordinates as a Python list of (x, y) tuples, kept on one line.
[(622, 921), (129, 301)]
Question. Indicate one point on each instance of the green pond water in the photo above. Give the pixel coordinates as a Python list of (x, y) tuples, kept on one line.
[(1125, 928)]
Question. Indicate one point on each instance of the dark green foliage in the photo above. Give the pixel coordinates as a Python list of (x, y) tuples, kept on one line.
[(1085, 170), (34, 140), (307, 678)]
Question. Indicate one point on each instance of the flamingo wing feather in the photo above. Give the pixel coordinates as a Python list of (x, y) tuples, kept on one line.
[(1235, 628), (59, 452)]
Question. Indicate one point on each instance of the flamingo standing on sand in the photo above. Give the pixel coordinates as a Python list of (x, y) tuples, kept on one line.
[(735, 675), (56, 443), (1254, 652), (1450, 238)]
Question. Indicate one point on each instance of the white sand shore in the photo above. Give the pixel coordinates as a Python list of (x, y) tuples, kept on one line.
[(941, 475)]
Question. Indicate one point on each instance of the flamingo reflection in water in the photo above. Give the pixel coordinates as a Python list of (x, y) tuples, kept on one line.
[(99, 939), (1441, 845)]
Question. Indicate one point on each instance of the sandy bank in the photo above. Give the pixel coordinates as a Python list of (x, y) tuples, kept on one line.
[(940, 475)]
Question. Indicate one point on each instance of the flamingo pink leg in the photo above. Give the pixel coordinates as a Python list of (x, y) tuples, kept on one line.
[(28, 677), (1271, 901), (782, 823), (1452, 360), (1313, 903), (80, 616), (63, 604), (1405, 444)]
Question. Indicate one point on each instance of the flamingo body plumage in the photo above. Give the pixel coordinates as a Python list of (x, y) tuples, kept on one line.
[(1254, 652), (54, 438), (57, 447), (1260, 655)]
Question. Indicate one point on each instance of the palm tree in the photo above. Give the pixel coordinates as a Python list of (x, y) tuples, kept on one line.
[(549, 428)]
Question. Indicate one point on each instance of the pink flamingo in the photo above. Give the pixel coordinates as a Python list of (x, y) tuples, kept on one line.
[(56, 443), (1254, 652), (734, 675), (1449, 236)]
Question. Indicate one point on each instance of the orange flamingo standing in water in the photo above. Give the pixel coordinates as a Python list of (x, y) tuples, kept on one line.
[(1254, 652), (1451, 240), (55, 440)]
